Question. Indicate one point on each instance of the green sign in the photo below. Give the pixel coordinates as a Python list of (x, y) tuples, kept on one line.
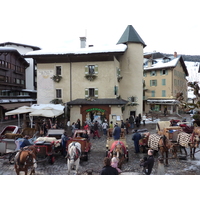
[(97, 109)]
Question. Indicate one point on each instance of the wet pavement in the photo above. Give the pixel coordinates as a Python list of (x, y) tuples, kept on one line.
[(98, 152)]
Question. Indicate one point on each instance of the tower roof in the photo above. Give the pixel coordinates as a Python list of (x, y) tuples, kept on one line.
[(130, 35)]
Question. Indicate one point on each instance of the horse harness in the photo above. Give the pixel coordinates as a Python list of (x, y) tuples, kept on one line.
[(76, 155)]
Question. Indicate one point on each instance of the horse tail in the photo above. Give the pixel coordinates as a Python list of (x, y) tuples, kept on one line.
[(164, 138)]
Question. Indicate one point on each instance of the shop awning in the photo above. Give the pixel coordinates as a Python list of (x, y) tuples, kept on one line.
[(163, 101), (12, 106)]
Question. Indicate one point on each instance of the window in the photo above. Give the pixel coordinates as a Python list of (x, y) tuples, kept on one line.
[(58, 93), (58, 70), (91, 92), (163, 81), (163, 72), (17, 81), (152, 93), (153, 82), (163, 93), (91, 69), (153, 73)]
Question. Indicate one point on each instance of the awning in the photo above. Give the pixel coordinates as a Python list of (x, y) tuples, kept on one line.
[(163, 101), (12, 106)]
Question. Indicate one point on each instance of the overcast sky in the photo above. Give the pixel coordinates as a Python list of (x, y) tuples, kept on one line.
[(165, 26)]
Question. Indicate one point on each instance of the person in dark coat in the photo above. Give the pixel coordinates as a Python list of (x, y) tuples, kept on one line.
[(131, 121), (148, 164), (136, 137), (137, 121), (107, 169), (116, 132)]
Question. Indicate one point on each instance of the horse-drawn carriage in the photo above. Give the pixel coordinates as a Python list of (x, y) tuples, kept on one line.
[(117, 147), (82, 137)]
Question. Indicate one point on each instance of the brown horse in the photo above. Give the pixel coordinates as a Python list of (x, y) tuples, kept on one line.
[(119, 150), (192, 140), (161, 144), (26, 159)]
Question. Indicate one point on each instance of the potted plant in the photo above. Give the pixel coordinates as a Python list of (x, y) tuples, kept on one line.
[(56, 78)]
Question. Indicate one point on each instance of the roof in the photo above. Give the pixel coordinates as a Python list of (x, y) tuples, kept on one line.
[(171, 64), (10, 49), (130, 35), (18, 44), (98, 102), (81, 51)]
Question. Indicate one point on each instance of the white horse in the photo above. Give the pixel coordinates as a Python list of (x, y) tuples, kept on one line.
[(73, 156)]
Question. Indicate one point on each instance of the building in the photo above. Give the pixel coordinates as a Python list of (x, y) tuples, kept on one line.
[(164, 78), (94, 82)]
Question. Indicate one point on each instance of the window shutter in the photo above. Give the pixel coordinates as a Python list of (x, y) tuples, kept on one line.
[(86, 70), (86, 92), (96, 69), (96, 92), (115, 90)]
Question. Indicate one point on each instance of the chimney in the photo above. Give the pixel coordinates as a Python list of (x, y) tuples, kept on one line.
[(175, 54), (83, 42)]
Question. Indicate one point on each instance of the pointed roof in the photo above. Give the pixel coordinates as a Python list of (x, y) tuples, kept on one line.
[(130, 35)]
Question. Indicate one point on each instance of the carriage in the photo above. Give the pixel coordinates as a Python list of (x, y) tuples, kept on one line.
[(81, 136)]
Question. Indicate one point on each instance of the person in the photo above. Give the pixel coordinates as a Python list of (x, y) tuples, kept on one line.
[(111, 124), (137, 121), (140, 118), (148, 164), (96, 132), (144, 118), (114, 162), (116, 132), (64, 139), (79, 123), (105, 126), (25, 142), (165, 111), (136, 137), (127, 125), (122, 124), (73, 128), (131, 121), (108, 169)]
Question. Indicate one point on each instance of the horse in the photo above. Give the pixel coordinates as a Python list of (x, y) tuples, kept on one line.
[(192, 140), (25, 159), (118, 148), (161, 144), (73, 156)]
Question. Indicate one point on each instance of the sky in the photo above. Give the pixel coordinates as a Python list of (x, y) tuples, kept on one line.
[(165, 26)]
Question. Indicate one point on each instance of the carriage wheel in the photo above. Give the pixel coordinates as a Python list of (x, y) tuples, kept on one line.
[(86, 156)]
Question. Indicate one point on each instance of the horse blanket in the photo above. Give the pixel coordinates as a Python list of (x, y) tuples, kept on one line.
[(153, 141), (183, 139), (114, 145)]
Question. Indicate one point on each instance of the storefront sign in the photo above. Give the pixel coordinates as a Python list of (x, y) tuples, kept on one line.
[(95, 109)]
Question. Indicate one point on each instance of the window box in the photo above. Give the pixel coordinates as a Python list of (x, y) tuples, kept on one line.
[(56, 78), (90, 77)]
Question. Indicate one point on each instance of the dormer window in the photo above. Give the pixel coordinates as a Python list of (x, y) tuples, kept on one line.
[(165, 60)]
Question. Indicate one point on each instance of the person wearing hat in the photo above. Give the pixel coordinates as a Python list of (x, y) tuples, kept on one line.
[(148, 164), (116, 132)]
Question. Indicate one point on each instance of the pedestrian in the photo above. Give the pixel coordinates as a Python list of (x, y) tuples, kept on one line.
[(140, 118), (64, 139), (127, 125), (111, 124), (73, 128), (115, 161), (144, 118), (104, 127), (78, 123), (116, 132), (96, 132), (131, 121), (122, 124), (68, 125), (108, 169), (136, 137), (165, 111), (137, 121), (148, 164)]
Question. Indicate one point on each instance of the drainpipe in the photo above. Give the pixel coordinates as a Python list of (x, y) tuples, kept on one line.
[(70, 78)]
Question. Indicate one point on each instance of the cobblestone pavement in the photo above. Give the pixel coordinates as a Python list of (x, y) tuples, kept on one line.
[(98, 152)]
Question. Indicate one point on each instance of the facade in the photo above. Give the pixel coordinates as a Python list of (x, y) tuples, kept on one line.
[(97, 83), (164, 77)]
